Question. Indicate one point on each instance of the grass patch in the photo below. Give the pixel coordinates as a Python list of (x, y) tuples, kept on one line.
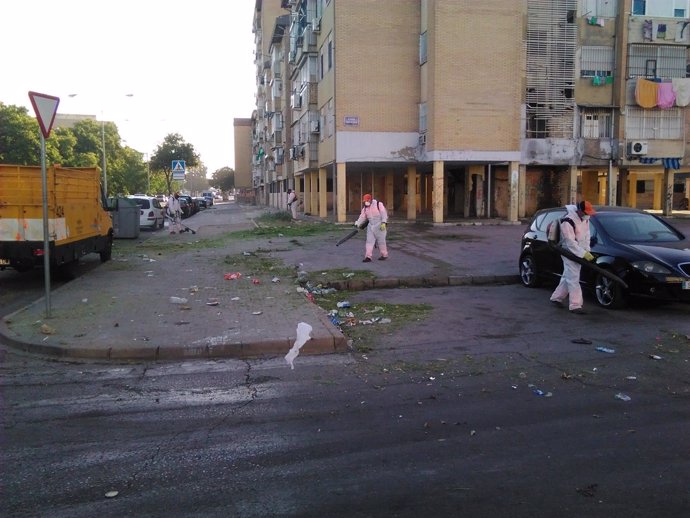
[(280, 224), (359, 320), (257, 263)]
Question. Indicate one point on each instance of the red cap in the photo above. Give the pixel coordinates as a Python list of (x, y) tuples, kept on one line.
[(586, 207), (366, 197)]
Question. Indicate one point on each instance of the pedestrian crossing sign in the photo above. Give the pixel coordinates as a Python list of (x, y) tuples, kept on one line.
[(178, 169)]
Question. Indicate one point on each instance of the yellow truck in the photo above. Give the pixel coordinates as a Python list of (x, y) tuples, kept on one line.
[(78, 220)]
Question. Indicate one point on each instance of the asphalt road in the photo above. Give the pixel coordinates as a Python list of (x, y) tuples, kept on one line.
[(487, 408)]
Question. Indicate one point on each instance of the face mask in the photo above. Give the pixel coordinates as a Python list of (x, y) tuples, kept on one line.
[(367, 203)]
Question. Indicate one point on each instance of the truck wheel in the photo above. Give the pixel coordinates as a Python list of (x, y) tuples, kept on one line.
[(107, 252)]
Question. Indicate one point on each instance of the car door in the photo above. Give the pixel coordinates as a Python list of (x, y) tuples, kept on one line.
[(548, 260)]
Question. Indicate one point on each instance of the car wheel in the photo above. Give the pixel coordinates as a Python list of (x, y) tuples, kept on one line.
[(609, 294), (528, 271), (107, 252)]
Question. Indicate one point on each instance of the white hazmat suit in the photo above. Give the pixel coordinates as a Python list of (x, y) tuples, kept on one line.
[(376, 214), (576, 239)]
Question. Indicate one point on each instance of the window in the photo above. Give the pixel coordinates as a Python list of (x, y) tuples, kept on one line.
[(653, 124), (330, 53), (596, 61), (663, 61), (601, 8), (422, 48), (595, 124), (639, 7)]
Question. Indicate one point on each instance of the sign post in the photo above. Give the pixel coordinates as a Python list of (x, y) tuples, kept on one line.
[(45, 107)]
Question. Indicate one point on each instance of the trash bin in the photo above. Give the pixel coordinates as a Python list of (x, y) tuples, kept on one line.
[(125, 214)]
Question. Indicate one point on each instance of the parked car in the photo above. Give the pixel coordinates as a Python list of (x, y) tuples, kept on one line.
[(193, 206), (647, 252), (209, 198), (151, 213), (202, 202), (185, 208)]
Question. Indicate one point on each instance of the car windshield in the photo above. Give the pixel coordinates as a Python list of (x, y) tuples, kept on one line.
[(636, 228)]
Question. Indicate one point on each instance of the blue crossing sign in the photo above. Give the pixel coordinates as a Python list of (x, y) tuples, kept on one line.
[(178, 169)]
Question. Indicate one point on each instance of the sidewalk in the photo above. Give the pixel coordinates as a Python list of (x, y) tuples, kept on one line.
[(124, 309)]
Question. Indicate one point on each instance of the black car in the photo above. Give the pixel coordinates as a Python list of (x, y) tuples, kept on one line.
[(185, 209), (192, 205), (649, 254)]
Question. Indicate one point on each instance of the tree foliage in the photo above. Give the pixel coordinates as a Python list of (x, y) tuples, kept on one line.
[(224, 179), (82, 146), (172, 148)]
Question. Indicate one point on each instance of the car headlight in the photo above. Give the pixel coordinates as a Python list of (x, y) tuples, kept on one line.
[(650, 267)]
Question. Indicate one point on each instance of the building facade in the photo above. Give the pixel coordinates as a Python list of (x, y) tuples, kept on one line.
[(449, 109)]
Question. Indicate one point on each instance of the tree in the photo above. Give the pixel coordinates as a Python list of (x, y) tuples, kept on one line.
[(224, 179), (196, 180), (173, 147), (129, 173), (19, 136)]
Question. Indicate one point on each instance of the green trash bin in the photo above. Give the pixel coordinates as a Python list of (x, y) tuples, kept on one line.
[(125, 214)]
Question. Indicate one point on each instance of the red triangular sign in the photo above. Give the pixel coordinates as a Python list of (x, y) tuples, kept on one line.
[(45, 107)]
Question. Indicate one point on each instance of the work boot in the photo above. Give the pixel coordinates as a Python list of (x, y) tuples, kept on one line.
[(366, 260), (383, 258)]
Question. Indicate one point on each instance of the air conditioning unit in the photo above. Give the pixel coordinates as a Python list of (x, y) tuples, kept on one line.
[(422, 139), (316, 25), (296, 101), (637, 147), (293, 153), (314, 126)]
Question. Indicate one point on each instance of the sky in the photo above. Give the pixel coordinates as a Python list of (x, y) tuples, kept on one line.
[(153, 67)]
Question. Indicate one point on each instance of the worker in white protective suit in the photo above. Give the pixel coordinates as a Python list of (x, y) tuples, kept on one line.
[(375, 214), (575, 237), (292, 202), (174, 211)]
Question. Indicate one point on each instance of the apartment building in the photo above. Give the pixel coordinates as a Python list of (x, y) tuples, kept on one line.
[(450, 109)]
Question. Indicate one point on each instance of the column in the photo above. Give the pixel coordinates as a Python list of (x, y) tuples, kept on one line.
[(632, 189), (658, 191), (307, 194), (624, 199), (477, 171), (411, 192), (514, 182), (437, 192), (668, 191), (572, 184), (341, 191), (323, 193), (314, 192), (522, 191), (612, 184)]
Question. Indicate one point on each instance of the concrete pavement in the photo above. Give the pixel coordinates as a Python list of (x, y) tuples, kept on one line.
[(177, 299)]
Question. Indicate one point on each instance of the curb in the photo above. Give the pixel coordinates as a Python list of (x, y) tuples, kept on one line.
[(333, 342)]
